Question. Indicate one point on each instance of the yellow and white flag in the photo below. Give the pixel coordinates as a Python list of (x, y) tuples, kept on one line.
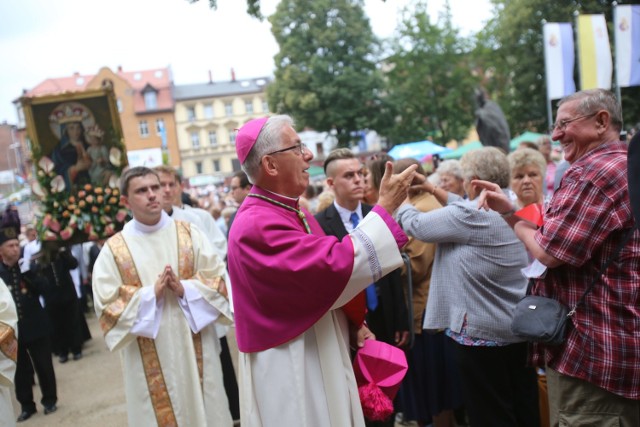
[(594, 52)]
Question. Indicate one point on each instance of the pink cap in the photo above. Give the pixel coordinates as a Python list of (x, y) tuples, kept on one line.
[(379, 369), (247, 136)]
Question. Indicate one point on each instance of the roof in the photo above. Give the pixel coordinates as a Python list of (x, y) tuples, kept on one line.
[(158, 78), (52, 86), (218, 89)]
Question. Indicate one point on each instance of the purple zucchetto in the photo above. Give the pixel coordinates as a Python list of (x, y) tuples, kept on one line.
[(247, 136)]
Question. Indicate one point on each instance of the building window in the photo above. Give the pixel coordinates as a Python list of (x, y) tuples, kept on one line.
[(213, 138), (265, 107), (159, 125), (144, 128), (150, 100), (248, 106), (195, 140), (228, 109), (216, 165), (191, 113), (107, 84), (119, 104), (208, 111), (232, 137), (198, 167)]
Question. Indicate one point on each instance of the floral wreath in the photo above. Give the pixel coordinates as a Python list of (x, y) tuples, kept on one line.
[(91, 213)]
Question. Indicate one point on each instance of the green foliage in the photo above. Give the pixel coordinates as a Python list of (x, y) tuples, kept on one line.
[(510, 53), (430, 81), (325, 74)]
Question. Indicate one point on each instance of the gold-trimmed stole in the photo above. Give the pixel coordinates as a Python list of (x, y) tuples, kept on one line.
[(8, 342), (160, 399)]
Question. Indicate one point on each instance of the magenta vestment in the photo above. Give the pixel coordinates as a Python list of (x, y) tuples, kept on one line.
[(284, 279)]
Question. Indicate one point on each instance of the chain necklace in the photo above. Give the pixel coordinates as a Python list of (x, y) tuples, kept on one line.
[(301, 214)]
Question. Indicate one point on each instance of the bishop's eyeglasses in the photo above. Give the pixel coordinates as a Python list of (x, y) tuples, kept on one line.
[(300, 147)]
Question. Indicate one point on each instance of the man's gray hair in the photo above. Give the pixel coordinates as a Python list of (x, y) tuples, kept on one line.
[(488, 163), (269, 140), (593, 100)]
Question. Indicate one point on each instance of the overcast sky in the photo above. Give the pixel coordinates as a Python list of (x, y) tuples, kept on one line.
[(42, 39)]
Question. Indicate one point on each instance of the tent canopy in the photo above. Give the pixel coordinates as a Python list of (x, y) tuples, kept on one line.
[(458, 152), (525, 136), (417, 150)]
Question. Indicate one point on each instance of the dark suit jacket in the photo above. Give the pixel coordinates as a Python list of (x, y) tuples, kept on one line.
[(26, 288), (391, 314), (61, 289)]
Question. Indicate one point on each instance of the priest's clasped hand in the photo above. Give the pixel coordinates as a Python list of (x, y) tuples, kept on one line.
[(168, 280)]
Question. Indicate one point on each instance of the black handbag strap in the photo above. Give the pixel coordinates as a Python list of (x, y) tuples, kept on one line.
[(601, 272)]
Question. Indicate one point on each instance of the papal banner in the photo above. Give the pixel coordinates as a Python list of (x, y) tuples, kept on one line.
[(559, 59), (627, 42), (594, 52)]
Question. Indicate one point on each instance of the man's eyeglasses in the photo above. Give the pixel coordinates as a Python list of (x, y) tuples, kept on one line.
[(562, 124), (300, 147)]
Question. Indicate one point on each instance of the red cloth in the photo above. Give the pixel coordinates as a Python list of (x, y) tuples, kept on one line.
[(531, 213), (587, 217), (356, 309)]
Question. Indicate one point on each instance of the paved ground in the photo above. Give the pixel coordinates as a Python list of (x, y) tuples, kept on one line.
[(90, 390)]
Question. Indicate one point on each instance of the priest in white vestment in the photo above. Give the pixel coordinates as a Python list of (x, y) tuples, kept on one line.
[(159, 290), (290, 282)]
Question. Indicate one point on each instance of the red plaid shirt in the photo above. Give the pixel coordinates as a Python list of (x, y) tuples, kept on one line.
[(587, 217)]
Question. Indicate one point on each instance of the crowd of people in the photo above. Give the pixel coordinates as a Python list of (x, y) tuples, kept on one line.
[(433, 265)]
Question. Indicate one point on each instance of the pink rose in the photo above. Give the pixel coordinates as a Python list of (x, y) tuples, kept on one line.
[(66, 233)]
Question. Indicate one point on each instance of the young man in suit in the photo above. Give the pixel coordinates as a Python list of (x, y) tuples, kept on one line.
[(385, 304)]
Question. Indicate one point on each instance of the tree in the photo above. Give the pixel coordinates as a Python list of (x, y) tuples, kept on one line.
[(430, 81), (325, 74), (510, 55)]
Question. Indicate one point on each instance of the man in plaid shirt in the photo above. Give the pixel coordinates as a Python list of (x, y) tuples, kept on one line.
[(594, 376)]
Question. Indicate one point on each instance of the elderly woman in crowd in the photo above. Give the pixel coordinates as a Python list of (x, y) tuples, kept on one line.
[(528, 168), (475, 284), (450, 176), (431, 388)]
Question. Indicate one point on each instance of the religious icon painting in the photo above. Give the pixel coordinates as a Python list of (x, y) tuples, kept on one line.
[(78, 156)]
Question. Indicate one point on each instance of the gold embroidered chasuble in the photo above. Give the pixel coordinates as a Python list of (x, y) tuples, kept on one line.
[(175, 378)]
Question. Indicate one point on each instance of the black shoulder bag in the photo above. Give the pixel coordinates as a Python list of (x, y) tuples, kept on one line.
[(544, 320)]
